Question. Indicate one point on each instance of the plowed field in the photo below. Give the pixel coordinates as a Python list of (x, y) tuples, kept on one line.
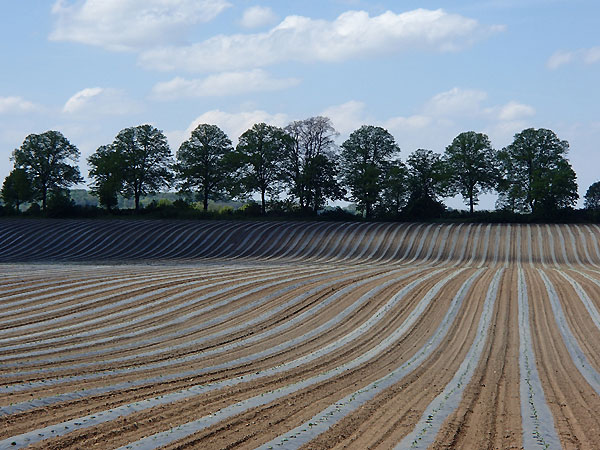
[(311, 335)]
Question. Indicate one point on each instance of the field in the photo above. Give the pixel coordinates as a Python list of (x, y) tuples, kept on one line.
[(312, 335)]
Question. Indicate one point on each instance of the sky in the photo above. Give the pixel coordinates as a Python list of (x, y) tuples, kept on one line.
[(424, 70)]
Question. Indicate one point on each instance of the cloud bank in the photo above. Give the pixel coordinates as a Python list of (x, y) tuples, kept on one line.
[(354, 34), (122, 25), (223, 84)]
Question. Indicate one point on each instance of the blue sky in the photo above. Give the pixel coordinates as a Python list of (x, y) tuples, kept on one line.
[(424, 70)]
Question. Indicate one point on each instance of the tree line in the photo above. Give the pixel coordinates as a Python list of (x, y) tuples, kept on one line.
[(300, 167)]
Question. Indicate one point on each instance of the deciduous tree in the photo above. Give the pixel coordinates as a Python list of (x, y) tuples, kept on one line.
[(427, 183), (471, 165), (259, 159), (106, 171), (592, 197), (48, 159), (537, 177), (17, 189), (366, 155), (310, 166), (202, 165), (146, 159), (395, 188)]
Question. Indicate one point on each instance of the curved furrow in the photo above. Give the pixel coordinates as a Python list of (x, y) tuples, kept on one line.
[(561, 367), (294, 343), (188, 307), (201, 387), (45, 297)]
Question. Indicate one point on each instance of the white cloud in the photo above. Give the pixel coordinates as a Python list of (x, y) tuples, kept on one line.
[(258, 16), (410, 123), (351, 115), (130, 24), (226, 83), (585, 56), (97, 100), (16, 105), (354, 34), (455, 102), (558, 59), (458, 103), (346, 117), (514, 111), (233, 124)]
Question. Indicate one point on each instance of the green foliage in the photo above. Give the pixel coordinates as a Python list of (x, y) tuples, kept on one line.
[(366, 156), (310, 169), (471, 166), (537, 177), (47, 159), (395, 189), (202, 165), (60, 204), (259, 159), (592, 197), (17, 189), (146, 161), (322, 172), (426, 175), (106, 171), (427, 182)]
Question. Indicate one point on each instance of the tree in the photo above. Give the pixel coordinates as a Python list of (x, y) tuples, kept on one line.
[(45, 158), (426, 174), (592, 197), (395, 188), (17, 189), (365, 157), (259, 158), (310, 167), (146, 159), (471, 165), (427, 182), (106, 171), (537, 177), (202, 163), (321, 171)]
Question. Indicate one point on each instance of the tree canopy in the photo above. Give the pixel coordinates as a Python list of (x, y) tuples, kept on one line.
[(395, 191), (146, 159), (592, 197), (537, 177), (471, 166), (48, 159), (202, 164), (17, 189), (366, 156), (259, 158), (532, 175), (310, 166), (427, 183), (106, 171)]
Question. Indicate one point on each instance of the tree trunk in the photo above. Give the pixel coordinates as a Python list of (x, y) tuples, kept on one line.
[(368, 211), (263, 209), (205, 200), (471, 203), (137, 201)]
